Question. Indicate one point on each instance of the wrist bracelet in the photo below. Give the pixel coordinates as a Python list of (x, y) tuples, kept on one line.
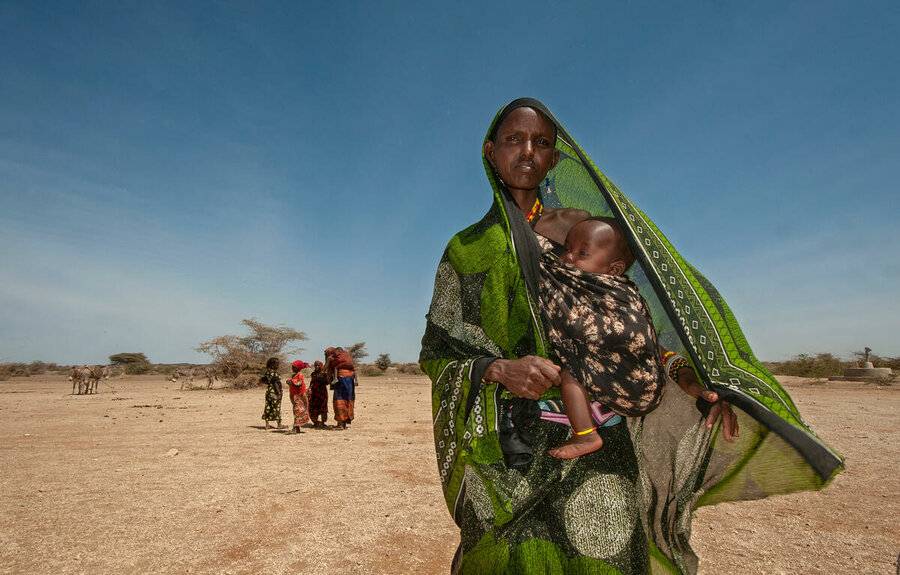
[(675, 366)]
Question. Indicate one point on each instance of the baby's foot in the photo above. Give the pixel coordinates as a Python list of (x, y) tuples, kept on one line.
[(578, 445)]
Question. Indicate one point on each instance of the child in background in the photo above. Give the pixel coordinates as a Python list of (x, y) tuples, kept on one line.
[(272, 410), (299, 395), (318, 396)]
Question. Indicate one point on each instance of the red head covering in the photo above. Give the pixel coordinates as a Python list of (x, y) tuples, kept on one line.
[(298, 365), (329, 351), (318, 363)]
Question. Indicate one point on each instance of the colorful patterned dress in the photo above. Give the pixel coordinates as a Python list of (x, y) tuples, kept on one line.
[(272, 409), (299, 399), (344, 396)]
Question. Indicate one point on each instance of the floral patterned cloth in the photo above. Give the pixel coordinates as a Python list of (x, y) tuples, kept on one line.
[(272, 409), (299, 402), (601, 329)]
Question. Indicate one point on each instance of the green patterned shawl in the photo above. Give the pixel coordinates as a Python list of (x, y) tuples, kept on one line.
[(484, 306)]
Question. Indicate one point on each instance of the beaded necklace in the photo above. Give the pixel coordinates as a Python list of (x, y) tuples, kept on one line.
[(536, 210)]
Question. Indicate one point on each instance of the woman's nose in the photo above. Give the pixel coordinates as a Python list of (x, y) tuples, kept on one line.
[(528, 149)]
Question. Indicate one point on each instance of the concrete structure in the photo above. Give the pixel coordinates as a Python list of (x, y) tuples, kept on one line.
[(865, 373)]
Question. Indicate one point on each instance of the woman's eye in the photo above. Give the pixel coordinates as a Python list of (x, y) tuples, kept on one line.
[(582, 253)]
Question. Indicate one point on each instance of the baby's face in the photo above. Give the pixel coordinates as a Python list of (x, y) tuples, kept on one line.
[(592, 246)]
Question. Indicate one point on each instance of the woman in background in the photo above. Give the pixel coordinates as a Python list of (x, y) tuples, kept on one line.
[(339, 365)]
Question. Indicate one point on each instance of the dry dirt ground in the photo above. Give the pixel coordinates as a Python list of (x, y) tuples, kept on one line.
[(144, 478)]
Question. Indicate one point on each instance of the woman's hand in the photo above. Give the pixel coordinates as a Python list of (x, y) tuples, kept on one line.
[(689, 384), (527, 377)]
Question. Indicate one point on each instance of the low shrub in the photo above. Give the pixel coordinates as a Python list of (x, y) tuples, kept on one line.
[(409, 368), (8, 370), (804, 365), (369, 370), (138, 368)]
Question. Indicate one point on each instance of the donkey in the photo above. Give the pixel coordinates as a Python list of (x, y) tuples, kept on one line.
[(187, 375), (78, 375)]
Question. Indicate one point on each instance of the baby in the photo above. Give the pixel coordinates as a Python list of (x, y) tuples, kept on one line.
[(601, 330)]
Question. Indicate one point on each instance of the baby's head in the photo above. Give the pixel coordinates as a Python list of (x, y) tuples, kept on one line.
[(598, 245)]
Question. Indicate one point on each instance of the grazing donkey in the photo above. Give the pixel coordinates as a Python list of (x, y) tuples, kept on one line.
[(86, 378), (98, 372), (78, 376), (187, 375)]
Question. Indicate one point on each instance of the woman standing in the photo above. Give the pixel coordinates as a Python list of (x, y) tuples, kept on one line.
[(627, 507), (272, 380), (339, 366), (299, 396), (318, 398)]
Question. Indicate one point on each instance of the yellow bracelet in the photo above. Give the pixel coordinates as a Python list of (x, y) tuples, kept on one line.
[(585, 432)]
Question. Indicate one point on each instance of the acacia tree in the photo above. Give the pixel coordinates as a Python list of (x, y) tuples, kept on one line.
[(383, 362), (135, 363), (240, 359), (130, 357), (358, 351)]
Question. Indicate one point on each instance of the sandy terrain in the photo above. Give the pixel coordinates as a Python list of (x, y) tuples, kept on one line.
[(93, 484)]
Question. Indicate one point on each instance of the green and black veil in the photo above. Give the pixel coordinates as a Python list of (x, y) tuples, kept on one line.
[(691, 317)]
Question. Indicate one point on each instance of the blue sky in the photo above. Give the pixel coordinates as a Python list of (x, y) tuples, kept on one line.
[(170, 168)]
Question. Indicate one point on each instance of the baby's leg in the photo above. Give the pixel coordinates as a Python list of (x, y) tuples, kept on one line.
[(585, 439)]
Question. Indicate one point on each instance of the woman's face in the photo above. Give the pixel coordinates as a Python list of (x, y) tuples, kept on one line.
[(524, 149)]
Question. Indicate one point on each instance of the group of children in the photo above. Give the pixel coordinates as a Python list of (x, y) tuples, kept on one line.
[(310, 405)]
